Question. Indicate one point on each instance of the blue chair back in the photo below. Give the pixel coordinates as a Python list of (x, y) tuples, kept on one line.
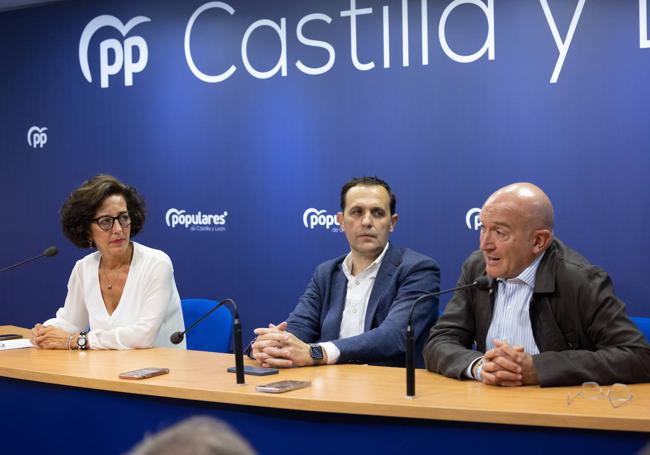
[(214, 332), (643, 324)]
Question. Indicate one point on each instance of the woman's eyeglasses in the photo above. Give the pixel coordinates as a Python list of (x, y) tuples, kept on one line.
[(105, 223)]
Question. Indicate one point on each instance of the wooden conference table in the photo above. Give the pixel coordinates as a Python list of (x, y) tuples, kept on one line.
[(74, 399)]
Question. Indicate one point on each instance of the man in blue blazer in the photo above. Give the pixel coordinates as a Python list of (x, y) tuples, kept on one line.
[(356, 307)]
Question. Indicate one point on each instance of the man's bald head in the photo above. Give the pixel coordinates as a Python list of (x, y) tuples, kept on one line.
[(517, 226), (528, 202)]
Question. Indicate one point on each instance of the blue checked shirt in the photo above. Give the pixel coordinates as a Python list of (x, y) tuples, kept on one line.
[(511, 317)]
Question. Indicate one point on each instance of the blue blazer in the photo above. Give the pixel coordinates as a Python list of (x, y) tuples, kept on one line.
[(403, 276)]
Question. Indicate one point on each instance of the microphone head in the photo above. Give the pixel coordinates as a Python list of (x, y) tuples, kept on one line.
[(483, 283), (176, 337), (51, 251)]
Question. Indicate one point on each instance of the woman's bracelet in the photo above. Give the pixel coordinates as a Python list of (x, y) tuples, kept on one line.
[(70, 337)]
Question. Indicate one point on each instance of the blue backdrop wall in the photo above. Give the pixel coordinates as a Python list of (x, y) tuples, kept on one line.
[(258, 111)]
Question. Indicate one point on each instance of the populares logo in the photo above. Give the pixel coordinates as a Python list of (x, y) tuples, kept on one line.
[(312, 218), (122, 52), (37, 137), (472, 219), (196, 221)]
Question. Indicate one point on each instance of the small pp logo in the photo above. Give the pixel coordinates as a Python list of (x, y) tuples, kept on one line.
[(209, 222), (472, 219), (37, 137), (313, 217), (122, 52)]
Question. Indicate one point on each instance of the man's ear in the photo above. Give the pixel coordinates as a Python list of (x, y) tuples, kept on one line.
[(543, 238), (339, 219), (393, 221)]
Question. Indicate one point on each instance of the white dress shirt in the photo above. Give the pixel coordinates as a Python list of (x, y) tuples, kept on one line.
[(148, 312), (356, 302)]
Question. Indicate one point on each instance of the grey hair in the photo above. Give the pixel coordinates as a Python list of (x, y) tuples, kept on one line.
[(199, 435)]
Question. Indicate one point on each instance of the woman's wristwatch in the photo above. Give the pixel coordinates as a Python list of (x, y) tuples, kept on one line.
[(82, 341)]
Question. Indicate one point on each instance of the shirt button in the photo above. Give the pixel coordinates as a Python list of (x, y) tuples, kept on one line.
[(354, 310), (357, 283)]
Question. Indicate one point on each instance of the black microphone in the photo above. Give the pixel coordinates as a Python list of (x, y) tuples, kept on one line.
[(177, 337), (482, 282), (49, 252)]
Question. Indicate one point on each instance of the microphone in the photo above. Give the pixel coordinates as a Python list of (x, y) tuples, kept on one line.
[(177, 337), (482, 283), (49, 252)]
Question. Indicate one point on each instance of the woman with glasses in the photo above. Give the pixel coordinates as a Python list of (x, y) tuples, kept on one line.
[(123, 295)]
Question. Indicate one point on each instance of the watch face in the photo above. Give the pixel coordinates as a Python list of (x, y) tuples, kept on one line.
[(316, 352), (81, 341)]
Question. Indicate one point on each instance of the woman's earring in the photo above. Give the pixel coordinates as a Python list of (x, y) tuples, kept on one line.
[(91, 243)]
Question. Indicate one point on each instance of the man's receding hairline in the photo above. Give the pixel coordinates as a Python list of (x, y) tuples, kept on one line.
[(367, 185), (535, 207)]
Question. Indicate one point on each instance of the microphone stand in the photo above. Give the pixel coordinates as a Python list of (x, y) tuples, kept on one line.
[(239, 351), (481, 282), (51, 251), (177, 337)]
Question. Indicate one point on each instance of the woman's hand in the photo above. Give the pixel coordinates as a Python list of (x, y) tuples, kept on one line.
[(49, 337)]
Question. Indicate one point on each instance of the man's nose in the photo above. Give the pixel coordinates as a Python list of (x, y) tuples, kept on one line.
[(485, 241)]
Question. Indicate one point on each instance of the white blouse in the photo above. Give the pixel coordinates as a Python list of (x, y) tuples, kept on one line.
[(148, 313)]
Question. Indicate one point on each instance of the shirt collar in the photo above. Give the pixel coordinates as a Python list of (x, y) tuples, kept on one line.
[(527, 276), (347, 263)]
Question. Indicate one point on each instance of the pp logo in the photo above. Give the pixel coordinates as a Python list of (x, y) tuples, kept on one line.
[(37, 137), (122, 53), (472, 219), (199, 221), (313, 217)]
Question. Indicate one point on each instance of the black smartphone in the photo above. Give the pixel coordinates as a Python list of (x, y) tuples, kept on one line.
[(255, 371), (143, 373), (9, 336)]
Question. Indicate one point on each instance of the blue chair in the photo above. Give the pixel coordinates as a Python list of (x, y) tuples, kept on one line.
[(214, 332), (643, 324)]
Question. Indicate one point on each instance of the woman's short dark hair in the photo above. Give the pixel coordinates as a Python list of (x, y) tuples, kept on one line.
[(82, 205)]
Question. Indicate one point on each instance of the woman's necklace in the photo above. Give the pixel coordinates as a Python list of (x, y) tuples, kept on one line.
[(109, 286)]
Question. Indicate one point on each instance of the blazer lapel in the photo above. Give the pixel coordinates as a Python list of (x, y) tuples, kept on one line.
[(332, 326), (388, 267), (484, 308)]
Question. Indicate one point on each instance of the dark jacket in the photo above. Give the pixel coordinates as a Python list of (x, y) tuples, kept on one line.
[(579, 325)]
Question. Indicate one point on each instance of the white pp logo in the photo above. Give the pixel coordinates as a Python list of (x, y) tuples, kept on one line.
[(122, 53), (472, 219), (313, 217), (198, 221), (172, 217), (36, 137)]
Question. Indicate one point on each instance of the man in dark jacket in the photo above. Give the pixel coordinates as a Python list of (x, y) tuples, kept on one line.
[(550, 318)]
